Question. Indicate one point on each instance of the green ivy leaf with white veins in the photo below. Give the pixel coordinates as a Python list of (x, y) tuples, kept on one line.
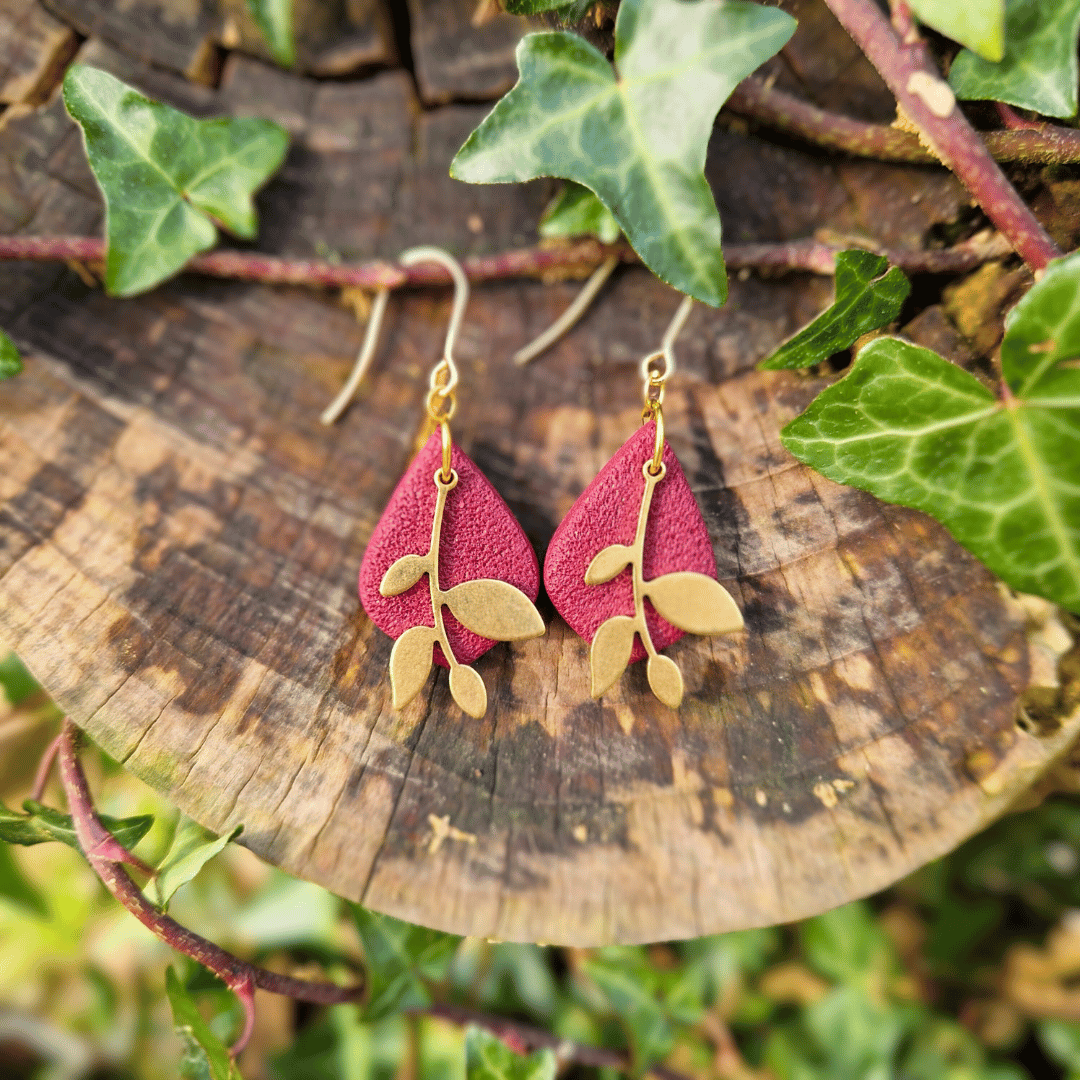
[(867, 297), (635, 136), (978, 24), (576, 211), (166, 177), (916, 430), (1039, 70)]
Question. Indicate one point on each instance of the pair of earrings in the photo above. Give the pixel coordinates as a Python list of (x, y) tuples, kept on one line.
[(630, 568)]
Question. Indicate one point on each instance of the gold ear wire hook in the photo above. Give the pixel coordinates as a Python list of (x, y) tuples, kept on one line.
[(363, 359), (654, 380), (441, 400)]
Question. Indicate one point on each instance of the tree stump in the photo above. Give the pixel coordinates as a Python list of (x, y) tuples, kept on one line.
[(180, 540)]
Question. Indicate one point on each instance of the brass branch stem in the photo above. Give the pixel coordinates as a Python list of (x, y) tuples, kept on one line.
[(438, 597), (636, 567)]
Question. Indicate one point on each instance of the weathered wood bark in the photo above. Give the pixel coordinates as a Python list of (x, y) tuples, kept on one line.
[(457, 59), (34, 49), (180, 539)]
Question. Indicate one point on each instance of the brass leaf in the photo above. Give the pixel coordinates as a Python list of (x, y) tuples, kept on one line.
[(494, 609), (665, 680), (610, 652), (694, 602), (468, 690), (607, 563), (404, 574), (410, 662)]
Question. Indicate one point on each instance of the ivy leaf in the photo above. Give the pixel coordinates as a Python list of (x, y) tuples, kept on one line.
[(631, 985), (191, 849), (1042, 332), (846, 944), (16, 681), (567, 10), (978, 24), (205, 1055), (636, 138), (274, 19), (1060, 1040), (401, 960), (489, 1058), (1039, 70), (576, 211), (916, 430), (166, 177), (10, 360), (15, 887), (866, 298), (41, 824)]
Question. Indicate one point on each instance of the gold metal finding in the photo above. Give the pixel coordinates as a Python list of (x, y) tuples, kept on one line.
[(488, 607), (693, 602)]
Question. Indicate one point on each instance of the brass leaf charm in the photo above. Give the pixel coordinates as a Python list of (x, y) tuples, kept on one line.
[(410, 662), (610, 652), (404, 574), (488, 607), (494, 609), (665, 679), (468, 690), (695, 603), (607, 563)]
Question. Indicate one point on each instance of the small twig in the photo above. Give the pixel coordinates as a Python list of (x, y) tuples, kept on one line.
[(526, 1037), (795, 255), (1043, 144), (41, 777), (930, 104), (105, 855), (1013, 120), (570, 316)]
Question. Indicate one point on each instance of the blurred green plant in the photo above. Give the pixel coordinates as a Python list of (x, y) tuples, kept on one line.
[(880, 989), (10, 360)]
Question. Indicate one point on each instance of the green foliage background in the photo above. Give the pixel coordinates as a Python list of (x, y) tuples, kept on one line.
[(957, 973)]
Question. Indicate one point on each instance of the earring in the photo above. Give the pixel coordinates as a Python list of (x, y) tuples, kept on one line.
[(445, 523), (631, 566)]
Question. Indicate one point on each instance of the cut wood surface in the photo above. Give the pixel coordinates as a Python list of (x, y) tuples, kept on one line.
[(180, 539), (34, 49)]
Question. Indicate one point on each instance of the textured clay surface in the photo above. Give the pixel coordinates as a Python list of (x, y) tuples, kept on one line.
[(676, 538), (480, 539)]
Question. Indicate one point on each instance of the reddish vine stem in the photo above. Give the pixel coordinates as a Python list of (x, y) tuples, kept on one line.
[(930, 104), (524, 1037), (1039, 143), (105, 856), (579, 257), (41, 777)]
